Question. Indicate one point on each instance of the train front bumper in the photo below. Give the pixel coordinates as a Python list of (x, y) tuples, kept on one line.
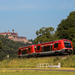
[(66, 51)]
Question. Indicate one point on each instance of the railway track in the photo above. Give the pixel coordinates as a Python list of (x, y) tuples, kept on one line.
[(54, 56)]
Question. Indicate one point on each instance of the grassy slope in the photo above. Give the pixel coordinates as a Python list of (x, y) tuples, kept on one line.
[(68, 62)]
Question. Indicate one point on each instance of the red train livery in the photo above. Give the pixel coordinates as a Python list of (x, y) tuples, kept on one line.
[(27, 51), (47, 48)]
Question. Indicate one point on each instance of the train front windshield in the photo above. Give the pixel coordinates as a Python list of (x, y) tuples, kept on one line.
[(67, 44)]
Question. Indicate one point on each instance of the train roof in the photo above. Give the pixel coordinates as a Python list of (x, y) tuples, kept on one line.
[(45, 43), (27, 46), (53, 41)]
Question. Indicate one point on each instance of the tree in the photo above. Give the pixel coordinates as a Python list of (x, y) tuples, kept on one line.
[(66, 28), (44, 35), (31, 40), (41, 32), (10, 47), (2, 55), (74, 44), (0, 45)]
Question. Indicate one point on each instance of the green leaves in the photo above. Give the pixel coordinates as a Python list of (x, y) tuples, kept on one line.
[(9, 47), (74, 44), (0, 45), (44, 35), (66, 28)]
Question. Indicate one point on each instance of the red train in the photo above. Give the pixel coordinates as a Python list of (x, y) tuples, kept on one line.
[(47, 48)]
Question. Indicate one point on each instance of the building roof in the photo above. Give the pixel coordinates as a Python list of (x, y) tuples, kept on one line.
[(21, 37)]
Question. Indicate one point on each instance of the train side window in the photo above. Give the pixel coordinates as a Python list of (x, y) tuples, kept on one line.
[(55, 45), (24, 51), (29, 49), (38, 47), (46, 48)]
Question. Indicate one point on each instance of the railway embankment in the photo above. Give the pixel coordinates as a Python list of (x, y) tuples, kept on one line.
[(67, 61)]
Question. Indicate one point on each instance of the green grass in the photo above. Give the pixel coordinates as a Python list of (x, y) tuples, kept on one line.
[(20, 72), (68, 62)]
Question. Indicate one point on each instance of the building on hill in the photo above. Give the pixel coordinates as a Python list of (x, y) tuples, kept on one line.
[(14, 36)]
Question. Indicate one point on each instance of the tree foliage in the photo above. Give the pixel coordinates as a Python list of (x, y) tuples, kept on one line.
[(74, 44), (44, 35), (10, 47), (66, 27), (0, 45)]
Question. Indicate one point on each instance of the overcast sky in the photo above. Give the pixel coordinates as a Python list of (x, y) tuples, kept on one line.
[(28, 16)]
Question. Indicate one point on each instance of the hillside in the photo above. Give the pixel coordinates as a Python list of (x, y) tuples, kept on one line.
[(10, 47), (66, 62)]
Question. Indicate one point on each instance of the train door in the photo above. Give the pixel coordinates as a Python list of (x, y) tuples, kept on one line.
[(29, 50), (38, 49), (19, 52)]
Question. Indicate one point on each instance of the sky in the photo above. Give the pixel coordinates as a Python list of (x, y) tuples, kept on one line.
[(28, 16)]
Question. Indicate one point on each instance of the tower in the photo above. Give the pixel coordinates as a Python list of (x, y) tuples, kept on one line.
[(12, 30)]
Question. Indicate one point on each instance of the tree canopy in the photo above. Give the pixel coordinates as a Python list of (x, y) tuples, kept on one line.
[(9, 47), (66, 28), (0, 45), (44, 35)]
